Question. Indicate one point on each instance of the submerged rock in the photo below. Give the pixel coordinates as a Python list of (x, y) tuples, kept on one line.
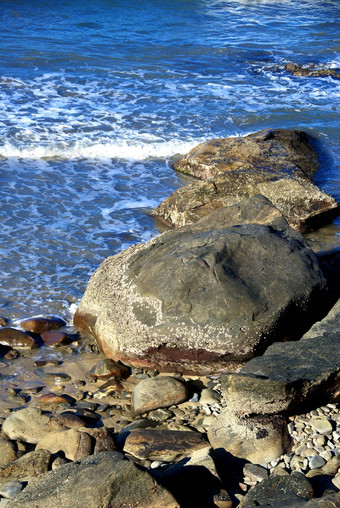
[(206, 297), (312, 71)]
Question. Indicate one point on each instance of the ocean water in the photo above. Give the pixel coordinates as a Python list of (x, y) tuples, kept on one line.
[(98, 98)]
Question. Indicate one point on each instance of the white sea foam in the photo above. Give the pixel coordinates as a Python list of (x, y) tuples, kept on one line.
[(135, 151)]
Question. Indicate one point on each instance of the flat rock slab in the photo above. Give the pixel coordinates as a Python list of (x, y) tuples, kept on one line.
[(100, 480), (282, 151), (290, 375), (164, 445), (157, 392), (258, 439), (206, 297), (303, 204)]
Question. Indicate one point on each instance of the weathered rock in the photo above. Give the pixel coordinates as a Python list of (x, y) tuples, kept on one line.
[(31, 424), (162, 391), (255, 472), (204, 298), (10, 489), (282, 151), (258, 439), (42, 324), (26, 467), (302, 203), (164, 445), (14, 338), (276, 490), (74, 444), (8, 452), (28, 425), (100, 480), (108, 368), (287, 377), (311, 71), (52, 338)]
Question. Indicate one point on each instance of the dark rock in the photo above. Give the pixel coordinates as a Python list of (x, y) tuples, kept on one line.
[(14, 338), (100, 480), (203, 298), (276, 490), (258, 439), (8, 451), (26, 467), (291, 375), (162, 391), (53, 399), (281, 151), (311, 71), (164, 445), (302, 203), (42, 324)]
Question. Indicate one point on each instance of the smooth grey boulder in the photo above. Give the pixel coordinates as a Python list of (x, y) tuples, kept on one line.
[(101, 480), (291, 375), (160, 391), (206, 297)]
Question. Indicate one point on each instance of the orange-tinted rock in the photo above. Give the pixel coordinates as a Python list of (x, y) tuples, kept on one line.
[(52, 399), (42, 324), (14, 338), (52, 338), (109, 368)]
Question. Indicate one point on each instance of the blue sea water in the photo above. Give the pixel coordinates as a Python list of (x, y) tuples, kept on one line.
[(98, 98)]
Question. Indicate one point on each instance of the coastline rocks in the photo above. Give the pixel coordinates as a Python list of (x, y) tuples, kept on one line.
[(303, 204), (202, 298), (258, 439), (8, 452), (163, 445), (278, 164), (282, 151), (158, 392), (288, 377), (105, 479), (107, 368)]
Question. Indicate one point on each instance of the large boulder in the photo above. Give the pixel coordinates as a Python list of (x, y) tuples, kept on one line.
[(105, 479), (291, 375), (278, 164), (205, 297)]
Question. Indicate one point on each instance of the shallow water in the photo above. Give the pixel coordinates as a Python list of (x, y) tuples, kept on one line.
[(98, 98)]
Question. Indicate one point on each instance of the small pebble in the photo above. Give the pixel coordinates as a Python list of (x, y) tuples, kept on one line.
[(316, 462)]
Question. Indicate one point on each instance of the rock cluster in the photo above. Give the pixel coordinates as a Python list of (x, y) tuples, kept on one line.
[(229, 305)]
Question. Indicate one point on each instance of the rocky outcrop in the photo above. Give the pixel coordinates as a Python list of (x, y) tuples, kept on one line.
[(206, 297), (291, 375), (311, 71), (277, 164)]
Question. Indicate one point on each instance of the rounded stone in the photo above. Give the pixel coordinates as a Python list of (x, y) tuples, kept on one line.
[(316, 462), (157, 392), (322, 425)]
